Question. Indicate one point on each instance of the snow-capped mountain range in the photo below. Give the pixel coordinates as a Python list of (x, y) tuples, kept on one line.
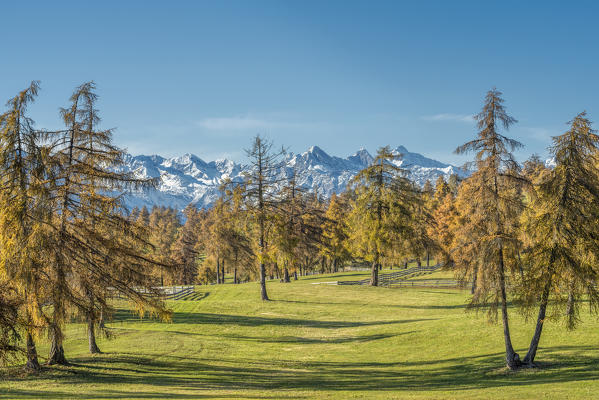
[(189, 179)]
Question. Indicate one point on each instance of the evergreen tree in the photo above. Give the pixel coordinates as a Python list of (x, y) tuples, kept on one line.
[(261, 197), (95, 245), (23, 214), (564, 242), (334, 232), (382, 211), (442, 229), (186, 247), (495, 206)]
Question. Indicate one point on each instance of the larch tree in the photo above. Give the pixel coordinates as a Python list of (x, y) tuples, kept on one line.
[(287, 232), (10, 303), (495, 205), (186, 247), (23, 212), (261, 196), (335, 232), (94, 240), (382, 211), (164, 224), (441, 229), (560, 225)]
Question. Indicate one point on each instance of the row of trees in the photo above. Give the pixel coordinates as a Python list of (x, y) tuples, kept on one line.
[(268, 226), (526, 234), (66, 242)]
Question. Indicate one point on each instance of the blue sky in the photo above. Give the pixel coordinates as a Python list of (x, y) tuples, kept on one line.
[(205, 77)]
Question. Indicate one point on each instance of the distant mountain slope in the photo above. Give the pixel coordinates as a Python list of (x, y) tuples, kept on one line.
[(189, 179)]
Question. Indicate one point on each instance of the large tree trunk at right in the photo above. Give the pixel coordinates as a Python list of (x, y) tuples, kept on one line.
[(534, 344), (56, 350)]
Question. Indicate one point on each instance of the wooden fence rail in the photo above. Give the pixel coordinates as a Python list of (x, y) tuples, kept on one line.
[(164, 292), (394, 277)]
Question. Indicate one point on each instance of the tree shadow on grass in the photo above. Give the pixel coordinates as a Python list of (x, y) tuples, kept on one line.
[(391, 305), (122, 315), (192, 373), (310, 340)]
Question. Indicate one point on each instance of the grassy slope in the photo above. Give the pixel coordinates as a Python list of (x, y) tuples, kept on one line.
[(318, 341)]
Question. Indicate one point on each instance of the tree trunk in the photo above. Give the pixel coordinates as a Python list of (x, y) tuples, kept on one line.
[(418, 262), (56, 350), (32, 361), (217, 271), (91, 335), (335, 265), (222, 274), (374, 277), (263, 282), (511, 357), (474, 279), (570, 310), (520, 265), (428, 259), (534, 344), (101, 322), (235, 275), (286, 275), (295, 275)]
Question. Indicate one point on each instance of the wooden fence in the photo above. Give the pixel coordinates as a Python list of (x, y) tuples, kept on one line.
[(393, 277), (164, 292)]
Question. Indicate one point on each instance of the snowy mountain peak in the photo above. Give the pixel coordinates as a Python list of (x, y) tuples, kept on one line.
[(408, 159), (189, 179), (361, 157)]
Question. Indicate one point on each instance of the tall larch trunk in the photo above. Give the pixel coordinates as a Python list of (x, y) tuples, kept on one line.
[(534, 343), (511, 357)]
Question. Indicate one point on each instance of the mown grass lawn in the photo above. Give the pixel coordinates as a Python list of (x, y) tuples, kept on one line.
[(317, 341)]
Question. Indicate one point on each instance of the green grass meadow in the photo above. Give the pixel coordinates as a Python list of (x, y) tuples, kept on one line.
[(317, 341)]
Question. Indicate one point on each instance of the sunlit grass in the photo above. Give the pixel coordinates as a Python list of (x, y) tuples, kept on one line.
[(317, 341)]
